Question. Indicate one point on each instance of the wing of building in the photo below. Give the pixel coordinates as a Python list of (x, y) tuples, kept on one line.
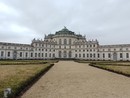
[(65, 44)]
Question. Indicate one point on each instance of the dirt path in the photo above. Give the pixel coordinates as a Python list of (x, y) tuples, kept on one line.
[(68, 79)]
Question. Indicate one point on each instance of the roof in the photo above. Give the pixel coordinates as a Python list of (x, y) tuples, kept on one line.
[(14, 44), (114, 46), (65, 31)]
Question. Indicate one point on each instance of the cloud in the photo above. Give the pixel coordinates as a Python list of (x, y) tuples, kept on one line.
[(105, 20)]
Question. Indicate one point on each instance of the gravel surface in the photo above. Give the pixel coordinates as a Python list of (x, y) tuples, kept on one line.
[(68, 79)]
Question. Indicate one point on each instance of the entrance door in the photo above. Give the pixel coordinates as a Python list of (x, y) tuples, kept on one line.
[(115, 56), (15, 55), (65, 54), (59, 54), (69, 54)]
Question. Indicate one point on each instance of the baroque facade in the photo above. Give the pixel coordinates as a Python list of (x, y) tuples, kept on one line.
[(65, 44)]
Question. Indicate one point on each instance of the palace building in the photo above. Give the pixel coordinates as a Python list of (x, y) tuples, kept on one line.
[(65, 44)]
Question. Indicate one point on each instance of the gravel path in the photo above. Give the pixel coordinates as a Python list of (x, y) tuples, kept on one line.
[(68, 79)]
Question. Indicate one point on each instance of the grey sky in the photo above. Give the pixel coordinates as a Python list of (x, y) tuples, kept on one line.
[(108, 21)]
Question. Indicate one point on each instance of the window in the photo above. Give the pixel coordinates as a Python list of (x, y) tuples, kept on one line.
[(65, 41), (121, 56), (42, 54), (109, 55), (53, 55), (2, 53), (26, 54), (60, 41), (87, 55), (79, 55), (50, 55), (35, 54), (8, 54), (59, 54), (98, 55), (109, 49), (70, 54), (90, 55), (94, 55), (39, 55), (84, 55), (127, 55), (31, 54), (70, 41), (45, 54), (75, 55), (20, 54), (103, 55)]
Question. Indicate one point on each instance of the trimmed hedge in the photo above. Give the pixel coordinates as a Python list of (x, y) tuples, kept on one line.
[(108, 69), (23, 86)]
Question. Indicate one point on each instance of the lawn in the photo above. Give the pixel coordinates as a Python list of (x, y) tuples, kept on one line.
[(24, 62), (19, 76), (119, 67)]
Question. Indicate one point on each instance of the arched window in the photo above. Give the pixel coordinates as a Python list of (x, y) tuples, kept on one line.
[(65, 54), (8, 54), (65, 41), (103, 55), (59, 54), (121, 56), (20, 54), (39, 55), (70, 41), (127, 55), (59, 41), (98, 55), (70, 54)]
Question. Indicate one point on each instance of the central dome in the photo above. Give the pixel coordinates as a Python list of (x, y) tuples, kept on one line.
[(65, 31)]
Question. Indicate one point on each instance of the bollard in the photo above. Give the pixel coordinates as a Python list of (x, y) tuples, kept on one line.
[(7, 92)]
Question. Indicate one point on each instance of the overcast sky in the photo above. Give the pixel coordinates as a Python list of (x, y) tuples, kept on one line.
[(108, 21)]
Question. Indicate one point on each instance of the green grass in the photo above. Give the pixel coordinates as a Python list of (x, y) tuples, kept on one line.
[(114, 66), (118, 68), (24, 62), (19, 76)]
